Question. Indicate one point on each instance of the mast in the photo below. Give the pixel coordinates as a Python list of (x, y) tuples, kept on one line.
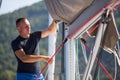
[(51, 51), (62, 76)]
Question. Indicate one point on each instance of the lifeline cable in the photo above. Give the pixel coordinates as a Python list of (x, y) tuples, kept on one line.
[(97, 66), (90, 31), (79, 28), (105, 21), (102, 10), (117, 51), (115, 67), (56, 52), (87, 47), (69, 36), (117, 6), (83, 40), (101, 65)]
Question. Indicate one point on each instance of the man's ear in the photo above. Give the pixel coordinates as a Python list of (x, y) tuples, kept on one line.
[(18, 28)]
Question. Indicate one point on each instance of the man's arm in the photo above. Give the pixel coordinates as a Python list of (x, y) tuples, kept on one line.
[(52, 28), (30, 58)]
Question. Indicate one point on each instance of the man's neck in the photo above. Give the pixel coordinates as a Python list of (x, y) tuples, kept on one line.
[(25, 36)]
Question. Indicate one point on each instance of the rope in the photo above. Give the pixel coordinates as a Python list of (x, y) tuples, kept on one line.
[(98, 74), (45, 77), (97, 59), (77, 63), (102, 10), (90, 31), (89, 48), (115, 68), (97, 66), (104, 69), (118, 48), (61, 45), (56, 52), (102, 40), (101, 65), (84, 51)]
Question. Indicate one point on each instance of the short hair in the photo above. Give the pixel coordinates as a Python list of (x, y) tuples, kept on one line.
[(19, 20)]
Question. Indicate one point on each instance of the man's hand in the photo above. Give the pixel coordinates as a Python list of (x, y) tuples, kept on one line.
[(48, 59), (52, 28)]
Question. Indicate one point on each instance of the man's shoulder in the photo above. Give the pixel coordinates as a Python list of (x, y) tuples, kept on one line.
[(16, 40), (15, 44), (36, 34)]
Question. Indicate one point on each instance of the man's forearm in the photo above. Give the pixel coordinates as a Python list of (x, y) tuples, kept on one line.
[(34, 58), (52, 27)]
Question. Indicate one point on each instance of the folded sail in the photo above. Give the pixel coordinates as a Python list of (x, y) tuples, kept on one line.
[(66, 10)]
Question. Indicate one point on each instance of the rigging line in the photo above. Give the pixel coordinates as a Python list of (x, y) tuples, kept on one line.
[(89, 64), (85, 56), (56, 52), (117, 53), (84, 42), (101, 65), (97, 66), (99, 74), (46, 74), (115, 68), (117, 49), (90, 31), (84, 52), (77, 63), (102, 40), (117, 6), (100, 11)]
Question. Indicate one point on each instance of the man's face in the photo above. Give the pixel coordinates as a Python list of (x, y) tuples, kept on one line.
[(24, 27)]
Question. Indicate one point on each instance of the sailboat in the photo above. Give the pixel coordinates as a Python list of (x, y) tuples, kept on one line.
[(91, 36)]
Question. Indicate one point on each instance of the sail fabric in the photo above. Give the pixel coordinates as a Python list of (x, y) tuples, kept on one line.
[(111, 36), (88, 15), (66, 10)]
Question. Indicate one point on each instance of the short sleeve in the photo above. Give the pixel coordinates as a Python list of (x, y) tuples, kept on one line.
[(37, 34), (15, 46)]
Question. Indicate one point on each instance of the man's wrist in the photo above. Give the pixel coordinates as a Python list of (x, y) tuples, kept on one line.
[(56, 21)]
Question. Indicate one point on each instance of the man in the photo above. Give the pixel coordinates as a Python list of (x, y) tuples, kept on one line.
[(26, 49)]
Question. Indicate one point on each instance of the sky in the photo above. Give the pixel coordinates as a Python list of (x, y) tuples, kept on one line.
[(11, 5)]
